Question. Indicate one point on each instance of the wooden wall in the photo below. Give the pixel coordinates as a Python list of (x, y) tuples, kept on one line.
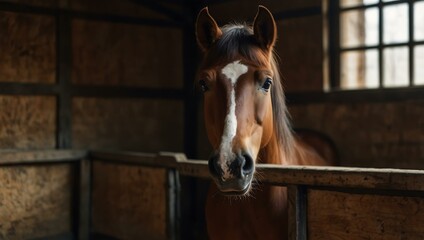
[(348, 215), (36, 201), (88, 75), (129, 202)]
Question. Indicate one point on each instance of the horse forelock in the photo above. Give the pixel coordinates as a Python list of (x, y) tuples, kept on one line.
[(237, 41)]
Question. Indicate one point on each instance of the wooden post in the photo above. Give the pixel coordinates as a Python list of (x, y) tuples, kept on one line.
[(84, 196), (173, 205), (297, 212)]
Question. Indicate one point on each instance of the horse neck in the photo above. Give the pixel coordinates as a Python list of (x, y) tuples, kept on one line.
[(273, 152)]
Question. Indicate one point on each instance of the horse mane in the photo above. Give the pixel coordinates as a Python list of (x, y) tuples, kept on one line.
[(238, 40)]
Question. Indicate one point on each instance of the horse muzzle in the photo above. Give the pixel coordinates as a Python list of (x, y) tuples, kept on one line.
[(232, 177)]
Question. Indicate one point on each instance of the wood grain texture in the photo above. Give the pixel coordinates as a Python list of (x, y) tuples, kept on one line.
[(389, 134), (35, 201), (28, 48), (334, 215), (10, 157), (245, 11), (300, 50), (116, 7), (43, 3), (126, 55), (127, 124), (27, 122), (129, 202), (318, 176)]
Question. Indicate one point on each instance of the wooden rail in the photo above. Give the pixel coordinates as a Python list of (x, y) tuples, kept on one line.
[(335, 177), (307, 185), (310, 187), (18, 157)]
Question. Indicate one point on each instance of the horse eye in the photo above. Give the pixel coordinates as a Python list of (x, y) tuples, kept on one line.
[(267, 84), (203, 86)]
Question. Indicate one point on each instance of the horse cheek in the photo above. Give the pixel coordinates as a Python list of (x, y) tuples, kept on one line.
[(264, 118)]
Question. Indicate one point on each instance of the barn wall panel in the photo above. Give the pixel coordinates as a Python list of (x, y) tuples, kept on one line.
[(145, 125), (299, 48), (27, 122), (245, 11), (38, 3), (388, 134), (115, 7), (334, 215), (129, 202), (35, 201), (28, 48), (128, 55)]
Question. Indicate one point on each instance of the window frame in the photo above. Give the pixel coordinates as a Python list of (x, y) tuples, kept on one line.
[(335, 50)]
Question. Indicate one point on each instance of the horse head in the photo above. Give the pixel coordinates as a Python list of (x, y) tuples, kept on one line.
[(238, 77)]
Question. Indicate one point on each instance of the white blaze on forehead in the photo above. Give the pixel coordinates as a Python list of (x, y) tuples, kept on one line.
[(232, 71)]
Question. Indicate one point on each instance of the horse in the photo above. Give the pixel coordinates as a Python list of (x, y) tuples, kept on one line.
[(246, 122)]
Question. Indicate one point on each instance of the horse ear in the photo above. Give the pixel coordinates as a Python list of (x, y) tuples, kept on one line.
[(207, 31), (264, 28)]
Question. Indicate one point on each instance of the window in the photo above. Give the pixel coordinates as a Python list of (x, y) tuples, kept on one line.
[(376, 43)]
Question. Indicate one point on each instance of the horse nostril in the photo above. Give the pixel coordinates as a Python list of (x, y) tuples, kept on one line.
[(214, 168), (247, 166)]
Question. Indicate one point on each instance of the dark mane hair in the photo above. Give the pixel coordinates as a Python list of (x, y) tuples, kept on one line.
[(238, 40)]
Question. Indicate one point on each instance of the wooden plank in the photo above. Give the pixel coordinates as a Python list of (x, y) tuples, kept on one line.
[(35, 201), (335, 215), (126, 55), (125, 92), (129, 202), (28, 48), (127, 124), (391, 132), (16, 157), (127, 8), (84, 204), (194, 168), (173, 205), (291, 43), (64, 109), (297, 212), (27, 122), (342, 177), (111, 16)]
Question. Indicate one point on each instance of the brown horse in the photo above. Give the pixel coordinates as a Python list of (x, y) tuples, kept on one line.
[(246, 122)]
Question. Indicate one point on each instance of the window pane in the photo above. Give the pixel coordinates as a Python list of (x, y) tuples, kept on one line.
[(396, 67), (351, 3), (359, 69), (419, 21), (359, 28), (419, 65), (395, 25)]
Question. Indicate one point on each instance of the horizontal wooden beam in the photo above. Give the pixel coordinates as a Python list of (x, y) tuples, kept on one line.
[(344, 177), (125, 92), (87, 15), (18, 157), (298, 13), (336, 177), (10, 88), (326, 177), (360, 95)]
